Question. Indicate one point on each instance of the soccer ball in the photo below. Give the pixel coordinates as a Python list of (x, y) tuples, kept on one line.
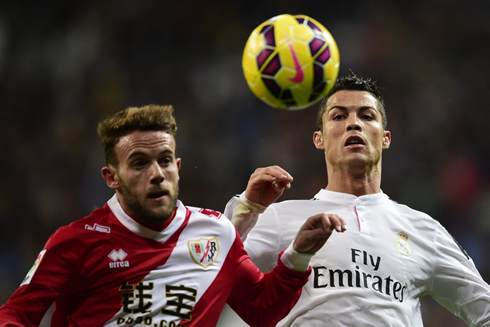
[(290, 62)]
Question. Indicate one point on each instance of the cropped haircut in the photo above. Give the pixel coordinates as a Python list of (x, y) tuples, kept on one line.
[(122, 123), (353, 83)]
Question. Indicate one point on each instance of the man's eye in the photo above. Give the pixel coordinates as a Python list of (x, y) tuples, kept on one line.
[(338, 117), (165, 161), (367, 117), (138, 164)]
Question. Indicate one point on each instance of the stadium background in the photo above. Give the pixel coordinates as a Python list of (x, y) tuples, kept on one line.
[(65, 65)]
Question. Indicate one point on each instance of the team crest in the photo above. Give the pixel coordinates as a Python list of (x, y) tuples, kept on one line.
[(402, 245), (204, 251)]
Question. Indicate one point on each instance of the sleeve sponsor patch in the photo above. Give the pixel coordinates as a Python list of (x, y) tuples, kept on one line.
[(32, 271)]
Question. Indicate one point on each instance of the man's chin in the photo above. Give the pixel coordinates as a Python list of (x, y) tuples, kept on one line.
[(161, 212), (358, 157)]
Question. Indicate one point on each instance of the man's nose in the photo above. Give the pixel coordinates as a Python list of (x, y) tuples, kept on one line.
[(157, 175), (353, 123)]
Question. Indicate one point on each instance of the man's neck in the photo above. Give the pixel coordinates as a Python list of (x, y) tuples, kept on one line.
[(155, 226), (359, 183)]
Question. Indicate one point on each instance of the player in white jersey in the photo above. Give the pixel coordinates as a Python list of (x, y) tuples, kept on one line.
[(376, 273), (145, 259)]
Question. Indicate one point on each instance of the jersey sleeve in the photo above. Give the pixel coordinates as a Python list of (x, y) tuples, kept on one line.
[(45, 282), (456, 283), (264, 240), (243, 214), (264, 299)]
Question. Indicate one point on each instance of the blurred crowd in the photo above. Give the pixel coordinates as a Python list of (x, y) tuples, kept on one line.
[(65, 65)]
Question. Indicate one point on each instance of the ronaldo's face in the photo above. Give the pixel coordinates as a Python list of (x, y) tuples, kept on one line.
[(148, 175), (353, 133)]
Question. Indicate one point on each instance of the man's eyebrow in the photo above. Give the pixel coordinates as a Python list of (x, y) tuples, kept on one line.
[(166, 152), (368, 107), (140, 153), (136, 154), (337, 107), (363, 108)]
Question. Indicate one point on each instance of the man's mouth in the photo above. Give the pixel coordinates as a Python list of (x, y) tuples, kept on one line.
[(354, 140), (157, 194)]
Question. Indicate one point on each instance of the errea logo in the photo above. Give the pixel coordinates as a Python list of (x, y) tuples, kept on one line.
[(118, 259)]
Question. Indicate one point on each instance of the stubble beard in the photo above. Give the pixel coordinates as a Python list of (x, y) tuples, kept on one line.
[(142, 212)]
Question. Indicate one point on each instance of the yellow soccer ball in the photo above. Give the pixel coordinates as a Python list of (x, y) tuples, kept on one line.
[(290, 62)]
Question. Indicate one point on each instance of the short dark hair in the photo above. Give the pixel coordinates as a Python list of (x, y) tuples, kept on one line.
[(122, 123), (353, 83)]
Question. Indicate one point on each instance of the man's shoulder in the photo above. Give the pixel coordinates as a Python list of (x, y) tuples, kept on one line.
[(97, 220), (208, 216), (294, 202), (298, 205), (410, 216), (407, 210), (100, 222), (205, 213)]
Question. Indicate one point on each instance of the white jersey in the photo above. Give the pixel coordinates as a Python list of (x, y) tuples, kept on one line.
[(375, 273)]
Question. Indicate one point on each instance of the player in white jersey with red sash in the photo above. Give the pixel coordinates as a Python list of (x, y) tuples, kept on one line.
[(145, 259), (376, 273)]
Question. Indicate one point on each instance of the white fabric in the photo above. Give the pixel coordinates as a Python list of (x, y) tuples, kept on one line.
[(244, 214), (375, 273)]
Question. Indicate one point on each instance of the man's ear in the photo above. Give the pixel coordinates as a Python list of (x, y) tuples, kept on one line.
[(386, 140), (318, 140), (110, 176), (179, 163)]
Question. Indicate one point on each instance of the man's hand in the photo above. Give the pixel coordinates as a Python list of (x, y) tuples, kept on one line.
[(266, 185), (316, 231)]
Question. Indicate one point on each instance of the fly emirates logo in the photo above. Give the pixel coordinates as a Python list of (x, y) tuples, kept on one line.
[(325, 277)]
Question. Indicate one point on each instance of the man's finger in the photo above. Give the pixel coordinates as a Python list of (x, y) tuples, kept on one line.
[(333, 221), (280, 185), (271, 174)]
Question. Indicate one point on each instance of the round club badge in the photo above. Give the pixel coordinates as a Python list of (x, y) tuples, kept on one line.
[(402, 245)]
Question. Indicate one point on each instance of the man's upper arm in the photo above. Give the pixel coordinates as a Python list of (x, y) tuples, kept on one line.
[(259, 230), (457, 285), (264, 240), (243, 214), (45, 282)]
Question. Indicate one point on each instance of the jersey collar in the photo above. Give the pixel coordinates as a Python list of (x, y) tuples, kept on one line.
[(143, 231), (337, 197)]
